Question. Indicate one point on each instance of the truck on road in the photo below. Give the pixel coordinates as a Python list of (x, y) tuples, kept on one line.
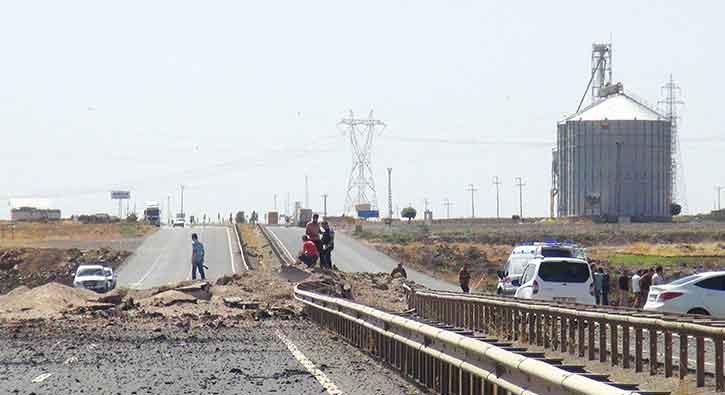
[(152, 213)]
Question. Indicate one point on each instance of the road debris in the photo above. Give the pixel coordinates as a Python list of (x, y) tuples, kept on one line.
[(42, 377)]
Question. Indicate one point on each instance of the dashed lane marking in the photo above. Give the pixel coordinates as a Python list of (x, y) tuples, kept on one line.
[(231, 254), (321, 377)]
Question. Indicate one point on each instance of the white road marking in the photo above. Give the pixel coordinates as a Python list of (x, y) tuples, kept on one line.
[(151, 269), (231, 254), (326, 383), (281, 244)]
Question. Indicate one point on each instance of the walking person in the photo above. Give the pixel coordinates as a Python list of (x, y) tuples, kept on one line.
[(464, 278), (314, 231), (309, 254), (328, 244), (197, 257), (644, 283), (598, 285), (636, 290), (623, 285)]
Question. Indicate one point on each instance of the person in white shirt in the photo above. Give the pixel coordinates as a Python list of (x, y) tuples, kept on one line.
[(636, 290), (658, 278)]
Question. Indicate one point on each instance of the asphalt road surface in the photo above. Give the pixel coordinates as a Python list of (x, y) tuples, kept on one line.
[(283, 357), (165, 256), (351, 255)]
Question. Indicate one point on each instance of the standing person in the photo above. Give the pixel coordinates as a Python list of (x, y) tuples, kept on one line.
[(400, 270), (636, 289), (328, 244), (313, 231), (598, 285), (644, 283), (309, 253), (623, 285), (605, 287), (464, 278), (658, 278), (197, 257)]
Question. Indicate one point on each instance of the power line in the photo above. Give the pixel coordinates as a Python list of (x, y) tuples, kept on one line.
[(521, 185), (472, 189), (497, 183)]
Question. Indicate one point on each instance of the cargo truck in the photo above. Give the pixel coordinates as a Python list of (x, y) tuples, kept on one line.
[(152, 213)]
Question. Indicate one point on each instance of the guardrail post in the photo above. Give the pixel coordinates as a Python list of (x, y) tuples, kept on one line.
[(532, 327), (668, 353), (590, 339), (602, 341), (572, 335), (539, 318), (554, 336), (580, 329), (625, 346), (563, 323), (546, 325), (637, 349), (652, 350), (700, 348), (719, 379), (614, 342), (683, 355)]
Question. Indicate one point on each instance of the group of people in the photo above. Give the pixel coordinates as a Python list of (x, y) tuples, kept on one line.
[(317, 243), (634, 288)]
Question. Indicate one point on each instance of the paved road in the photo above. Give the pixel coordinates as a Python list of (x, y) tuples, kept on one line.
[(165, 256), (351, 255), (282, 357)]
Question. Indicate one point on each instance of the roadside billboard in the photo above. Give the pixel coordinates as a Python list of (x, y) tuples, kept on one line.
[(119, 195)]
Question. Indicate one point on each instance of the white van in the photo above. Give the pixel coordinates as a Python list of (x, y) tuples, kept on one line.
[(522, 254), (565, 280)]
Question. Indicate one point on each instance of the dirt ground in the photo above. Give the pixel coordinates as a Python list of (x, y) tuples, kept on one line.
[(32, 267)]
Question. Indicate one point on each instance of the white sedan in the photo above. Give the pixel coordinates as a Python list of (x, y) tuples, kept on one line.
[(702, 293)]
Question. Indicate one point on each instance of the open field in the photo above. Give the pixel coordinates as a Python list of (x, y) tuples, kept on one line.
[(441, 249), (68, 234)]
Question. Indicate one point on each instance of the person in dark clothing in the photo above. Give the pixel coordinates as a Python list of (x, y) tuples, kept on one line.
[(328, 244), (464, 278), (400, 270), (197, 257), (623, 286), (644, 283)]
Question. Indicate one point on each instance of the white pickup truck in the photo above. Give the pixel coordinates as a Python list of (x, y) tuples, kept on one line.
[(97, 278)]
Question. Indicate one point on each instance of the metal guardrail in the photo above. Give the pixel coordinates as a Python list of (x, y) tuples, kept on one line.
[(241, 249), (277, 247), (587, 331), (445, 361)]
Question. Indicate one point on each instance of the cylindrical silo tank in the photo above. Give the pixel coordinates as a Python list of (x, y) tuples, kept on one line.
[(615, 160)]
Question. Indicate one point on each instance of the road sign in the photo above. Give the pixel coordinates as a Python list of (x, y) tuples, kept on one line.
[(119, 195), (368, 214)]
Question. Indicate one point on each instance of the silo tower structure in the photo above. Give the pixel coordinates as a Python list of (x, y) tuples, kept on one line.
[(614, 159)]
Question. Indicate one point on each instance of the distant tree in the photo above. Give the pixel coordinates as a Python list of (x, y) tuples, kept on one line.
[(675, 209), (409, 213), (132, 218), (240, 217)]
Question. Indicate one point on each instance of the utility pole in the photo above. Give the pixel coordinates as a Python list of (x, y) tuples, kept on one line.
[(307, 192), (425, 203), (324, 205), (719, 193), (447, 203), (390, 194), (497, 183), (521, 185), (182, 199), (472, 189), (275, 202), (168, 207)]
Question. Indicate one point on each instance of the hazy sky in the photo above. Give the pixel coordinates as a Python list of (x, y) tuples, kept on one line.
[(239, 100)]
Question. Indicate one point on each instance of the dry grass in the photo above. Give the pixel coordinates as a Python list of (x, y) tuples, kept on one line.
[(25, 232)]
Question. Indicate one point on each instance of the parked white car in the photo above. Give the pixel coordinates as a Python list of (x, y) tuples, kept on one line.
[(522, 254), (565, 280), (95, 277), (702, 293)]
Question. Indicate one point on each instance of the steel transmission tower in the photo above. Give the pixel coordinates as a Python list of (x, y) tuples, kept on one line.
[(361, 185), (668, 106)]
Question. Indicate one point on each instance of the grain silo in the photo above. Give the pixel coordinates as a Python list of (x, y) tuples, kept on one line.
[(613, 159)]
